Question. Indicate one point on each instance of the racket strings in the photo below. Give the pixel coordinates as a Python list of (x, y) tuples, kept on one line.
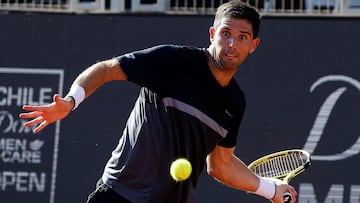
[(280, 165)]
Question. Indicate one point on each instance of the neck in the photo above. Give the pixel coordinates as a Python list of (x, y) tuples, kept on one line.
[(221, 74)]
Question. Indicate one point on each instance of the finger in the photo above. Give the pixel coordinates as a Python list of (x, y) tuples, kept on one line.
[(28, 107), (293, 192), (33, 114), (40, 127), (35, 108), (34, 121)]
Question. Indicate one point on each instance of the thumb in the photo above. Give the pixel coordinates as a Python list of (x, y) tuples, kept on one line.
[(56, 98), (67, 101)]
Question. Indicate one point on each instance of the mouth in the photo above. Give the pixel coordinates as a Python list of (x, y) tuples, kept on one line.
[(231, 55)]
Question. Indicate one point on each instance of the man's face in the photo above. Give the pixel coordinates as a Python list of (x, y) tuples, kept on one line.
[(232, 42)]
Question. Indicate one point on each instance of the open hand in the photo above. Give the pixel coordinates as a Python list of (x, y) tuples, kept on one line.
[(47, 114)]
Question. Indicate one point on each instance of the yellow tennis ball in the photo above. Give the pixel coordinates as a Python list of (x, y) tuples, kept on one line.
[(180, 169)]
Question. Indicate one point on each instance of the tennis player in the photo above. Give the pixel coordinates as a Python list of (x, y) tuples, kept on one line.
[(189, 106)]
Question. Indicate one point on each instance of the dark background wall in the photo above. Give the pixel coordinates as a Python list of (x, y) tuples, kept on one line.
[(282, 109)]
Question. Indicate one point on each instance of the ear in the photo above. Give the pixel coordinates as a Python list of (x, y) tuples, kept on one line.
[(211, 33), (255, 43)]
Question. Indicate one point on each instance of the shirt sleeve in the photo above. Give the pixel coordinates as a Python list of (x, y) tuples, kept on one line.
[(146, 67)]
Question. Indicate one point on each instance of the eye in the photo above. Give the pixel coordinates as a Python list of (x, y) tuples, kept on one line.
[(243, 37), (225, 34)]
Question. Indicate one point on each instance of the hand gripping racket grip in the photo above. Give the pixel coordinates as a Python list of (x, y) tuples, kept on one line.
[(287, 197)]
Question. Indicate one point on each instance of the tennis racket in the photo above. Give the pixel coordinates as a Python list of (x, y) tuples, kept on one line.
[(283, 165)]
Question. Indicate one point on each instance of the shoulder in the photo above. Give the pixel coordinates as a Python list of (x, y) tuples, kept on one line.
[(165, 52), (178, 55), (173, 48)]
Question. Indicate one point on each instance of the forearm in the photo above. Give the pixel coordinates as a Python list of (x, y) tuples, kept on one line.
[(98, 74), (235, 174), (224, 166)]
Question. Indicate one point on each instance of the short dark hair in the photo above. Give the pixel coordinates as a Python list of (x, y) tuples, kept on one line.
[(240, 10)]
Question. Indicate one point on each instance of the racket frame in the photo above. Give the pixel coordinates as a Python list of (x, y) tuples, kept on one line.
[(286, 177)]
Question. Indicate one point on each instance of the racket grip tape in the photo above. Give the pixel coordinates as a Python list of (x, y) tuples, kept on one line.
[(287, 197)]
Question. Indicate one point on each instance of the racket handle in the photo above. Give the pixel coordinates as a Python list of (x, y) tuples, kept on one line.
[(287, 197)]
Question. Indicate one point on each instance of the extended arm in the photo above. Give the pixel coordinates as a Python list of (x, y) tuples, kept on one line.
[(224, 166), (90, 79), (99, 74)]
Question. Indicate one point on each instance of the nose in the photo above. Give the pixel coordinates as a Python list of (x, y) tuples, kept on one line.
[(231, 42)]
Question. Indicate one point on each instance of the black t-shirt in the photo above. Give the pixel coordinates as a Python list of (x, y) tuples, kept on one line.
[(182, 111)]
